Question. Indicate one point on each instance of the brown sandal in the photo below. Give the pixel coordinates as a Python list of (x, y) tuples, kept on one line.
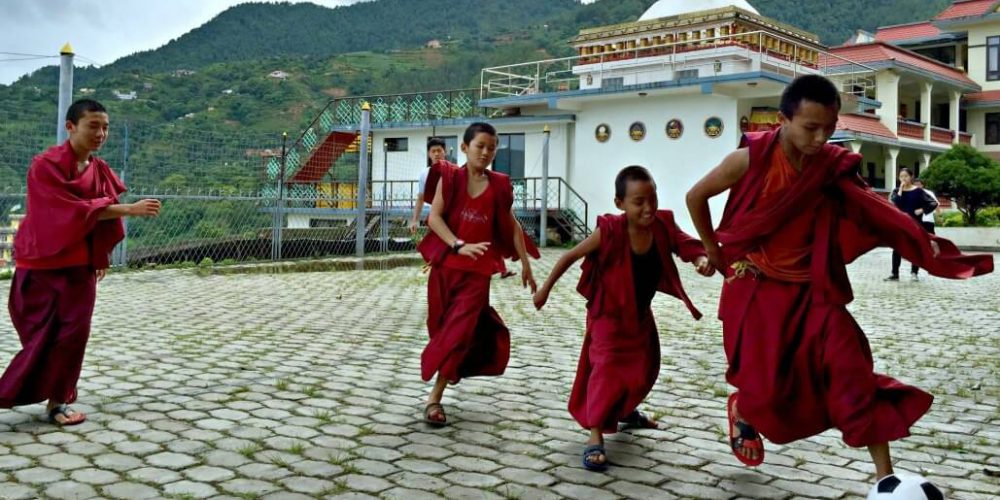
[(431, 412)]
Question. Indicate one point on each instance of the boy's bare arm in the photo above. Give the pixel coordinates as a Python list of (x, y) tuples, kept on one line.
[(590, 244), (721, 178), (435, 220), (418, 207), (527, 278), (141, 208)]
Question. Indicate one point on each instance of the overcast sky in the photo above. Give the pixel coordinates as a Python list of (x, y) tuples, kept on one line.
[(98, 30)]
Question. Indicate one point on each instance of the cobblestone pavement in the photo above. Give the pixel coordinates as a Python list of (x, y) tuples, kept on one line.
[(307, 385)]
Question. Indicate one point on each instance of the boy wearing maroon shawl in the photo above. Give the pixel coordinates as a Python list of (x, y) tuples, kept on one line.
[(797, 214), (472, 229), (627, 259), (61, 251)]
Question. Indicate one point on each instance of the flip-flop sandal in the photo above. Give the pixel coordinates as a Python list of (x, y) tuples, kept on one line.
[(747, 437), (507, 274), (435, 409), (595, 450), (65, 410), (637, 420)]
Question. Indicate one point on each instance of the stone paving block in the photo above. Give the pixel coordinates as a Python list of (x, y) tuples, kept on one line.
[(190, 488), (69, 490), (368, 484), (265, 382), (581, 492), (38, 475), (130, 491), (248, 487), (463, 493)]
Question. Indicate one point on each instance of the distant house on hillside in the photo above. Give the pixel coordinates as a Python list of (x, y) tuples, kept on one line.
[(279, 75), (434, 44), (184, 72), (228, 92), (86, 91), (130, 96)]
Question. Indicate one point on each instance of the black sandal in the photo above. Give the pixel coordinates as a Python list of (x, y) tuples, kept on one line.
[(637, 420), (594, 451), (65, 411)]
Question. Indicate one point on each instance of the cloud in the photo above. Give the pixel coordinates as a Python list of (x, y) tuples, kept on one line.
[(99, 30)]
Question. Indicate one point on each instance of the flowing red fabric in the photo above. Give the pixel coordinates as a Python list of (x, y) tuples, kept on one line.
[(51, 311), (467, 336), (800, 362), (454, 178), (63, 208), (620, 359)]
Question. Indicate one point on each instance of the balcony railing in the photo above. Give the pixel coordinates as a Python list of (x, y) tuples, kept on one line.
[(912, 130), (942, 135), (755, 51)]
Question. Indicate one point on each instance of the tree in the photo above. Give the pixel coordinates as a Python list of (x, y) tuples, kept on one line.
[(968, 176)]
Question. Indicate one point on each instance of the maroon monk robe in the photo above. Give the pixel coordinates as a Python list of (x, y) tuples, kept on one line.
[(620, 359), (800, 362), (467, 336), (53, 290)]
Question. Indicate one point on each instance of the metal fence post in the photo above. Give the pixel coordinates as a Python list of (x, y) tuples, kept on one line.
[(360, 222), (65, 91), (277, 219), (281, 194), (120, 257), (543, 226), (383, 223)]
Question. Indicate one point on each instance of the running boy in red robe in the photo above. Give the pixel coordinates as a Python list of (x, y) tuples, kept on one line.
[(797, 214), (61, 251), (627, 260), (472, 229)]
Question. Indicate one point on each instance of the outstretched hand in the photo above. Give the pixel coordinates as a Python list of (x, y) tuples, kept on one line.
[(541, 297), (145, 208), (935, 248), (474, 250), (704, 267), (528, 279)]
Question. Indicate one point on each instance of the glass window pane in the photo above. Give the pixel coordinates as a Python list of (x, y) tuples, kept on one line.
[(517, 155), (451, 146), (993, 128)]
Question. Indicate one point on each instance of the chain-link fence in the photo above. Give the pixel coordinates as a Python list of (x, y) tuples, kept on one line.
[(240, 197)]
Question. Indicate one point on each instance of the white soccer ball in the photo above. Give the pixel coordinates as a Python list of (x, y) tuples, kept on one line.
[(904, 486)]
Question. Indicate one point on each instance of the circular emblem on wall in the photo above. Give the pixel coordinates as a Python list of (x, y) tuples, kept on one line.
[(744, 124), (637, 131), (713, 127), (603, 132), (675, 129)]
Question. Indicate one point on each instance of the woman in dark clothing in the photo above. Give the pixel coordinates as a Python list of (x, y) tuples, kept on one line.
[(915, 202)]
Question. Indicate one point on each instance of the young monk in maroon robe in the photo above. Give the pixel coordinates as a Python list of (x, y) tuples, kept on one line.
[(472, 229), (61, 251), (797, 214), (627, 260)]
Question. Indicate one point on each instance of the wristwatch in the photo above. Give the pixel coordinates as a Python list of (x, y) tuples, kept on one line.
[(457, 246)]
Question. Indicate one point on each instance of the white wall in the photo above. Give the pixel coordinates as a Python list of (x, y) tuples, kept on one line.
[(675, 164), (976, 124), (977, 54), (406, 166)]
